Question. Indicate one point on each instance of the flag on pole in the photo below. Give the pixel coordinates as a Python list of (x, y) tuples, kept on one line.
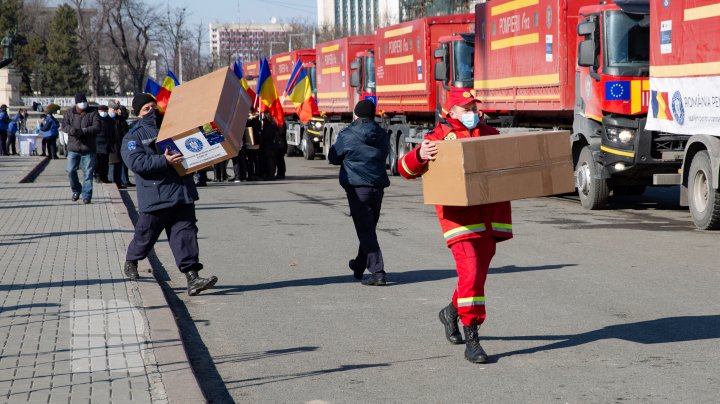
[(267, 94), (152, 87), (237, 69), (163, 95), (299, 90)]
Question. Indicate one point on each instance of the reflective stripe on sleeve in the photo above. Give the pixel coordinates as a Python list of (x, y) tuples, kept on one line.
[(405, 167), (502, 227), (458, 231), (471, 301)]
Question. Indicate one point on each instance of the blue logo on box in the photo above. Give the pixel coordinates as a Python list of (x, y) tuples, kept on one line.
[(194, 145)]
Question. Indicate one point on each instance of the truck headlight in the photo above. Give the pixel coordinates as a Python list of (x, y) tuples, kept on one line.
[(620, 135), (317, 125)]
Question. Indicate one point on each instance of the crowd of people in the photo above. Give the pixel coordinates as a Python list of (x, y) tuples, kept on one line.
[(9, 128)]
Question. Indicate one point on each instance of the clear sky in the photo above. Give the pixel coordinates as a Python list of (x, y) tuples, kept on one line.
[(242, 11)]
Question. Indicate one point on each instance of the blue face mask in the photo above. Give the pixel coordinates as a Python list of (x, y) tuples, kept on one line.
[(469, 119), (112, 114), (103, 114)]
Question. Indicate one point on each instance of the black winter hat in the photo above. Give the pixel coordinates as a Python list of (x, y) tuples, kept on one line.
[(80, 98), (139, 100), (365, 109)]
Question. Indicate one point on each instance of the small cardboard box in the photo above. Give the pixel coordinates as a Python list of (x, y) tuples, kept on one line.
[(205, 120), (499, 168)]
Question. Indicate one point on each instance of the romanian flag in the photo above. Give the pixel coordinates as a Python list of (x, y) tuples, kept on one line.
[(267, 94), (237, 69), (300, 92), (152, 87), (163, 96), (660, 105)]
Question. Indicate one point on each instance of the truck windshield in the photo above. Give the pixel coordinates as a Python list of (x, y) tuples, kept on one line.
[(311, 73), (627, 43), (463, 59), (369, 71)]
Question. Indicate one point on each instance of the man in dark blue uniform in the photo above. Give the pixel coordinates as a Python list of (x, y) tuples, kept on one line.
[(165, 199)]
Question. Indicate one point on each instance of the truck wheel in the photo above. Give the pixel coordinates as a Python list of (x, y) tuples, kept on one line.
[(393, 156), (593, 192), (309, 152), (704, 201), (291, 151)]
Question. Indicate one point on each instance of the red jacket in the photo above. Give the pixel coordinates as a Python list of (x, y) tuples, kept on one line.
[(461, 222)]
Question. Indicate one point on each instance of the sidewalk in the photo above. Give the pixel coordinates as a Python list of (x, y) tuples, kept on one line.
[(72, 329)]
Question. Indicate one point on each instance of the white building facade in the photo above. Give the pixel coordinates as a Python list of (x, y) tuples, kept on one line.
[(356, 17), (248, 41)]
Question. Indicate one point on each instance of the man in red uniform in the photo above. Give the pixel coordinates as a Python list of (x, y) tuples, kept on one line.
[(470, 232)]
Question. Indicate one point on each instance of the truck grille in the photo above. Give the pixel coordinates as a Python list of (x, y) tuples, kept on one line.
[(664, 143)]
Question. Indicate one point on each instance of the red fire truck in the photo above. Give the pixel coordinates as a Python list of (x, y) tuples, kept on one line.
[(251, 71), (576, 64), (281, 66)]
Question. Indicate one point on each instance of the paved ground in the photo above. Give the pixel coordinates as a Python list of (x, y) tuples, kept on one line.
[(610, 306), (71, 328)]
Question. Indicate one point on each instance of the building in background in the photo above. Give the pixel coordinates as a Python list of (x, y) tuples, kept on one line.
[(248, 41), (357, 17), (414, 9)]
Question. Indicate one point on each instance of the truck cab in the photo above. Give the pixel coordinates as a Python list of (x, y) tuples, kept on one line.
[(454, 64), (362, 76), (612, 149)]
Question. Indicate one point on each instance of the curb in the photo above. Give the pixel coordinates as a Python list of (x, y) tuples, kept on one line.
[(33, 174), (181, 384)]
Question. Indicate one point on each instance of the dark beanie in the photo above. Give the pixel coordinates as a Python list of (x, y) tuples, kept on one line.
[(80, 98), (139, 100), (365, 109)]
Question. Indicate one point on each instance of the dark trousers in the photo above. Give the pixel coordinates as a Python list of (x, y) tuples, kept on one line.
[(3, 143), (220, 171), (240, 166), (11, 144), (280, 163), (49, 144), (252, 163), (102, 166), (179, 225), (365, 204)]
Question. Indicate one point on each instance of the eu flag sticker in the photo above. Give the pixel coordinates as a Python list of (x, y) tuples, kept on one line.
[(617, 90)]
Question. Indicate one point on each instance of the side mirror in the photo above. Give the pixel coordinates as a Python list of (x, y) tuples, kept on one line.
[(586, 28), (355, 79), (354, 65), (441, 73), (586, 53), (440, 52)]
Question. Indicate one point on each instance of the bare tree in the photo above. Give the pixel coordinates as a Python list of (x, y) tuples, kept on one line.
[(130, 25), (91, 24), (173, 36)]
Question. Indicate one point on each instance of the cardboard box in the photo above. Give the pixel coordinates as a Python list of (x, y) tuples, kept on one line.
[(499, 168), (205, 120)]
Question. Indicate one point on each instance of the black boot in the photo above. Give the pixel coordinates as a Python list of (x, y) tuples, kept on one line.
[(449, 318), (196, 284), (131, 270), (473, 351)]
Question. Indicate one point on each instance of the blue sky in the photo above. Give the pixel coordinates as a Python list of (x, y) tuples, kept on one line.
[(240, 11)]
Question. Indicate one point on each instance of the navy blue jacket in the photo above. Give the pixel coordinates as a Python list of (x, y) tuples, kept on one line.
[(362, 149), (159, 186)]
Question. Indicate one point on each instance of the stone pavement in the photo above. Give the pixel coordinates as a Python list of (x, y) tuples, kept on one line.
[(72, 329)]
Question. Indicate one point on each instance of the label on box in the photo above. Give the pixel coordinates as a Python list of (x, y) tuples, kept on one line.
[(197, 148)]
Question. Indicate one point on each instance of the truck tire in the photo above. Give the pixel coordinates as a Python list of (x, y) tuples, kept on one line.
[(291, 151), (704, 201), (309, 152), (593, 192), (393, 156)]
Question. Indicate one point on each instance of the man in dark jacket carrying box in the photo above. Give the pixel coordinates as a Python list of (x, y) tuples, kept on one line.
[(362, 149), (165, 199)]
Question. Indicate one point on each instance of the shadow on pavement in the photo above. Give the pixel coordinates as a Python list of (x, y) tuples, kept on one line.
[(259, 381), (658, 331), (70, 282), (252, 356)]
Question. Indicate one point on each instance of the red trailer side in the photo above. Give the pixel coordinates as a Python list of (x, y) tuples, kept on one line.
[(404, 62), (251, 71), (334, 94), (526, 54), (282, 65)]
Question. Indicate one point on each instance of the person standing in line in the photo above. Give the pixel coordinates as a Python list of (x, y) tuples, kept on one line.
[(361, 150), (123, 128), (102, 140), (280, 152), (471, 232), (119, 126), (82, 126), (17, 124), (166, 201), (50, 131), (4, 122), (252, 148)]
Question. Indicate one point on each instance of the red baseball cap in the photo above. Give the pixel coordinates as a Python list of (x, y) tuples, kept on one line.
[(459, 96)]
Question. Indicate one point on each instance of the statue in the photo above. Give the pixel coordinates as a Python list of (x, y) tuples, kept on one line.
[(8, 44)]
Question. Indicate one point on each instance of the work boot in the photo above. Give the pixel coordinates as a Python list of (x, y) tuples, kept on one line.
[(473, 351), (377, 279), (196, 284), (131, 270), (449, 318), (357, 273)]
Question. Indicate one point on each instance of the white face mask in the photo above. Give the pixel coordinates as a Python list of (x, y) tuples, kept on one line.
[(103, 114), (82, 105)]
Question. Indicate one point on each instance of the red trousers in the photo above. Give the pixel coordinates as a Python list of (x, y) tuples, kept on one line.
[(472, 260)]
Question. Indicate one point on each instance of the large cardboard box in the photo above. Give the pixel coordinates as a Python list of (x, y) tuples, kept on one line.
[(499, 168), (205, 120)]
